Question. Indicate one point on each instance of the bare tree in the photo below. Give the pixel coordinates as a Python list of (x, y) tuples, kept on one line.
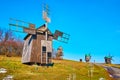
[(10, 45), (8, 35), (1, 35)]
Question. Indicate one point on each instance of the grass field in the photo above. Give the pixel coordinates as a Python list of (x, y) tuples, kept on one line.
[(62, 70)]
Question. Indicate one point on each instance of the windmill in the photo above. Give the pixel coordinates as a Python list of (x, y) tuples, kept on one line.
[(38, 41), (87, 57), (59, 53), (108, 59)]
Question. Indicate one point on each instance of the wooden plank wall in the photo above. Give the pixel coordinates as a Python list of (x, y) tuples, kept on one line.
[(36, 49), (34, 54), (27, 50)]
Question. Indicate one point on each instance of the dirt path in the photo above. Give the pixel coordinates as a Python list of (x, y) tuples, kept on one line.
[(114, 72)]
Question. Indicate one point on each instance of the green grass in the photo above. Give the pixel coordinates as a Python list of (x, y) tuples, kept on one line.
[(61, 70)]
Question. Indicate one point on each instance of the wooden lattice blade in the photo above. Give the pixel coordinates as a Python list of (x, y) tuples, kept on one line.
[(21, 26), (30, 31), (61, 36)]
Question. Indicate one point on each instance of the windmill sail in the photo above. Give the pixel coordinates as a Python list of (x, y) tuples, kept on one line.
[(21, 26), (30, 31), (60, 36)]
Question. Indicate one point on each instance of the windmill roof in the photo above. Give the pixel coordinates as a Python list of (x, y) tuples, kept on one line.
[(26, 36), (40, 29), (87, 55), (108, 56)]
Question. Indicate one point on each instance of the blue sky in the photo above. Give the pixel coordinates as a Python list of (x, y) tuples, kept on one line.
[(93, 25)]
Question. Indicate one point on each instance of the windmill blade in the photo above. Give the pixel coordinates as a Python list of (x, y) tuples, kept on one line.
[(29, 30), (21, 26), (112, 58), (60, 36)]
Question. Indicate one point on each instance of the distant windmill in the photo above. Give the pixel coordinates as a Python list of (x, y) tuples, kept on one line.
[(87, 57), (38, 42), (59, 53), (108, 59)]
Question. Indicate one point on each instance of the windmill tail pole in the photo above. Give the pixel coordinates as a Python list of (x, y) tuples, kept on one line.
[(46, 42), (46, 25)]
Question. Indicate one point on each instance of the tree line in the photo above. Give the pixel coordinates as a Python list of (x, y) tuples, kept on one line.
[(9, 44)]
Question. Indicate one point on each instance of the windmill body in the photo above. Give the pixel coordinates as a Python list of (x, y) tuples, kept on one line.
[(108, 59), (59, 53), (35, 49), (38, 42), (87, 57)]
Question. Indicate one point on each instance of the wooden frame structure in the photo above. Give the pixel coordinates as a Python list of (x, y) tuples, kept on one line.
[(87, 57), (38, 42), (36, 48), (108, 59)]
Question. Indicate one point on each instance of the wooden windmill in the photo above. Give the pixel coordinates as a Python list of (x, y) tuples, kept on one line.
[(38, 42), (87, 57), (108, 59), (59, 53)]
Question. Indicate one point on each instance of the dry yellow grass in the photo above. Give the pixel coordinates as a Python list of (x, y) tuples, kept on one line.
[(62, 70)]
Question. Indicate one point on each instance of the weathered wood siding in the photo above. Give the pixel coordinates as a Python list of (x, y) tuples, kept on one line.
[(48, 45), (33, 58), (32, 53), (27, 50), (36, 50)]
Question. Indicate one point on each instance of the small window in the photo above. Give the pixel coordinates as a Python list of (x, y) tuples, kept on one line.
[(49, 54), (43, 49)]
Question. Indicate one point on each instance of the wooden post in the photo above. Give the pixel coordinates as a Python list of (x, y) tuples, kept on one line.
[(46, 44), (41, 54)]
